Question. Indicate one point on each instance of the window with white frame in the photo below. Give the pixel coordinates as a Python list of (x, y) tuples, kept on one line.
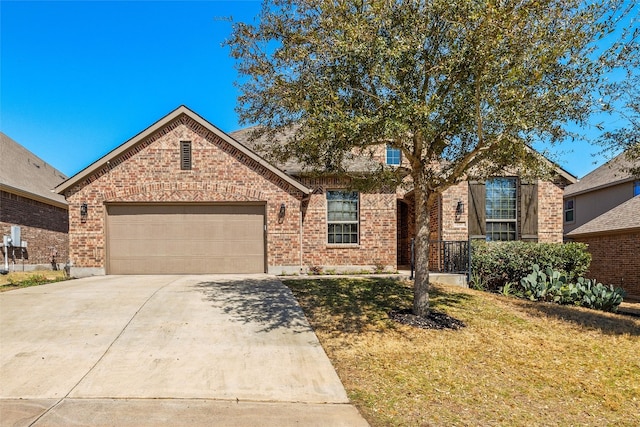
[(393, 156), (569, 210), (342, 217), (501, 209)]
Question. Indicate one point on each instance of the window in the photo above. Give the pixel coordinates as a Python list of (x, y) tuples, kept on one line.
[(569, 209), (501, 208), (394, 156), (636, 188), (185, 155), (342, 217)]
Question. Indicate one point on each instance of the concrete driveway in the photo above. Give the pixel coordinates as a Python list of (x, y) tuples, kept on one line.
[(164, 350)]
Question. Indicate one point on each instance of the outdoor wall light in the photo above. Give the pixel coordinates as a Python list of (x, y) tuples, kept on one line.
[(282, 212), (459, 209), (84, 210)]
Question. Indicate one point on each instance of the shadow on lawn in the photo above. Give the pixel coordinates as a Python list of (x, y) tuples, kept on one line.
[(265, 302), (607, 323), (358, 304)]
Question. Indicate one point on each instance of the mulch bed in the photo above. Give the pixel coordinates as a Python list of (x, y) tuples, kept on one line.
[(434, 320)]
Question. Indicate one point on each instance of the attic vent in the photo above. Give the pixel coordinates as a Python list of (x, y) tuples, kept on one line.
[(185, 155)]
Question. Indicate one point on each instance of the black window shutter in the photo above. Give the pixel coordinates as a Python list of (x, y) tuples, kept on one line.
[(529, 211), (477, 210)]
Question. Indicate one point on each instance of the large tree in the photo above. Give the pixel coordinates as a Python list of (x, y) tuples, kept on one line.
[(621, 99), (456, 85)]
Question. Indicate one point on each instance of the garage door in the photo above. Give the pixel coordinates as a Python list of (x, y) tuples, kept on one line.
[(185, 239)]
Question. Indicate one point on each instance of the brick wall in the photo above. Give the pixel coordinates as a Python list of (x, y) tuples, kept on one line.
[(150, 172), (550, 212), (455, 227), (615, 260), (44, 227), (378, 229)]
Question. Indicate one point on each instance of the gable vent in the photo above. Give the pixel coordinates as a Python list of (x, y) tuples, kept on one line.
[(185, 155)]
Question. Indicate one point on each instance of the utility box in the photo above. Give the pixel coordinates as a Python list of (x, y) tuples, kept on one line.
[(15, 235)]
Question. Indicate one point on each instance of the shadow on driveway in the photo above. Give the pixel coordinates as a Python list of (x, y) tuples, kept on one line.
[(265, 301)]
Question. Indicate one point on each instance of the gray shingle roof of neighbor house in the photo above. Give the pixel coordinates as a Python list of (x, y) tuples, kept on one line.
[(25, 174), (611, 173), (123, 148), (624, 217)]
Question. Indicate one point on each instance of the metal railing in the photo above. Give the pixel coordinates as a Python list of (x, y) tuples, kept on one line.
[(447, 256)]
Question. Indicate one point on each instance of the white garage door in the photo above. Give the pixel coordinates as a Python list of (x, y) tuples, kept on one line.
[(185, 239)]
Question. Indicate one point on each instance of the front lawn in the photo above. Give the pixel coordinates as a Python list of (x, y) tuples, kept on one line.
[(515, 363)]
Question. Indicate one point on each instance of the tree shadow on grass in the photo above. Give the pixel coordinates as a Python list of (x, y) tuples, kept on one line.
[(265, 302), (354, 305), (607, 323)]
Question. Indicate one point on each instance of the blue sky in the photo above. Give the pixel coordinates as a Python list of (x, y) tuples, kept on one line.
[(79, 78)]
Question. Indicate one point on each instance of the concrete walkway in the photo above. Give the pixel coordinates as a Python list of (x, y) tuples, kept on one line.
[(164, 350)]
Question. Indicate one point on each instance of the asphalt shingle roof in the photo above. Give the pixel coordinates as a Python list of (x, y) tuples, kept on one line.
[(612, 172), (624, 217), (353, 163), (22, 170)]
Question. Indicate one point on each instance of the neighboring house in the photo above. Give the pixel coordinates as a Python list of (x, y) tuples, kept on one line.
[(184, 197), (602, 210), (27, 201), (598, 192)]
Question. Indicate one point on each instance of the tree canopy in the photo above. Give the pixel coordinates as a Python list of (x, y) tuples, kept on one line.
[(458, 86), (626, 136)]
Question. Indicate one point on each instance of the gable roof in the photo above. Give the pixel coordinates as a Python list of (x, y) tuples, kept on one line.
[(623, 217), (352, 163), (611, 173), (139, 138), (25, 174)]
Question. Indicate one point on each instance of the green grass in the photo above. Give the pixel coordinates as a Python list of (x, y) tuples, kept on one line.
[(516, 363), (19, 279)]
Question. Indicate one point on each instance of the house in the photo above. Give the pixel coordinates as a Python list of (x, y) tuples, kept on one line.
[(601, 210), (598, 192), (184, 197), (27, 201)]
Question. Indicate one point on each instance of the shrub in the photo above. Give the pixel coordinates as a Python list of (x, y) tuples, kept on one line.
[(315, 270), (553, 286), (495, 264), (543, 286), (596, 295)]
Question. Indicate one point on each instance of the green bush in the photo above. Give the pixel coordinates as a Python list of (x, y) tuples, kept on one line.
[(596, 295), (494, 264), (553, 286), (543, 286)]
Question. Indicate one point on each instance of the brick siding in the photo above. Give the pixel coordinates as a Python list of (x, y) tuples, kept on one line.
[(454, 228), (550, 212), (615, 260), (150, 172), (378, 229), (44, 227)]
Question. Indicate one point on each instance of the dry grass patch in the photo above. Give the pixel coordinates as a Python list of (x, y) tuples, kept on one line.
[(23, 279), (516, 363)]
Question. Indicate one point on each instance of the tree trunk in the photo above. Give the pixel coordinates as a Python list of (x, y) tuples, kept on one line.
[(424, 201)]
